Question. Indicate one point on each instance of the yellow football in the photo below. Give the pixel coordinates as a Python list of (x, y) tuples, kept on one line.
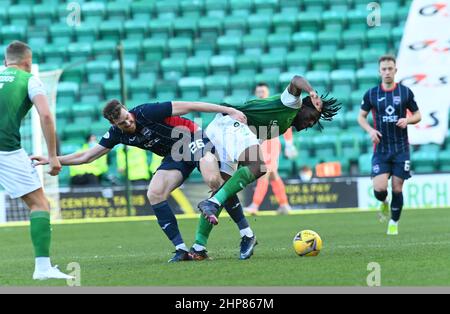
[(307, 243)]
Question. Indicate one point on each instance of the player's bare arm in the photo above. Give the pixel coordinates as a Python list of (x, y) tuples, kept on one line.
[(414, 119), (375, 135), (180, 108), (299, 84), (85, 157), (48, 128)]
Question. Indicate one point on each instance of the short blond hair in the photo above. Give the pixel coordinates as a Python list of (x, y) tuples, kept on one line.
[(16, 52)]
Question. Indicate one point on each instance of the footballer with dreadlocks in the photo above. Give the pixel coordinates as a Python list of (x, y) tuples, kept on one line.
[(238, 146)]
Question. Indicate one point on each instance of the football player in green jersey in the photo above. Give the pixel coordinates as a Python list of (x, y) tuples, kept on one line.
[(239, 152), (19, 90)]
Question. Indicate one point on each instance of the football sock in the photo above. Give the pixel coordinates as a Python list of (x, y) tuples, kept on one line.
[(41, 233), (168, 222), (279, 189), (234, 185), (261, 190), (396, 206), (381, 196), (236, 212)]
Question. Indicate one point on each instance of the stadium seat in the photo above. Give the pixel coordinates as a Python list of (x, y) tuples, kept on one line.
[(54, 54), (367, 78), (235, 25), (298, 62), (365, 164), (353, 39), (112, 90), (259, 24), (38, 37), (284, 23), (191, 88), (180, 47), (433, 148), (19, 15), (265, 6), (329, 40), (141, 91), (369, 58), (270, 79), (351, 119), (167, 10), (154, 49), (333, 21), (350, 148), (242, 85), (348, 59), (319, 79), (132, 49), (67, 93), (86, 32), (241, 8), (192, 9), (84, 111), (44, 15), (323, 60), (315, 5), (92, 94), (247, 64), (161, 28), (61, 34), (209, 28), (444, 161), (142, 10), (75, 132), (379, 38), (216, 8), (222, 65), (343, 80), (397, 34), (166, 90), (93, 11), (204, 47), (173, 68), (217, 87), (97, 71), (118, 11), (104, 50), (272, 64), (185, 27), (136, 29), (197, 66), (424, 162), (304, 42), (78, 52), (310, 21), (325, 147), (279, 43), (229, 45), (148, 71), (285, 79), (357, 19), (253, 45), (111, 30), (129, 68)]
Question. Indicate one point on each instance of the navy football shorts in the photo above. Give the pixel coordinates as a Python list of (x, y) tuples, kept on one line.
[(396, 164)]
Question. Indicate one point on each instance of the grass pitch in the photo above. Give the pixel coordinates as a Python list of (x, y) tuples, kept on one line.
[(136, 253)]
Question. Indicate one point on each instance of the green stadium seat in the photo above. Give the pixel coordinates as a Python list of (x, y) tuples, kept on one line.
[(285, 79), (142, 10), (298, 62), (284, 24), (129, 68), (351, 119), (357, 19), (286, 167), (97, 71), (266, 6), (209, 28), (241, 85), (86, 32), (367, 78), (141, 91), (259, 24), (241, 7), (304, 41), (353, 39), (229, 45), (132, 49), (349, 146), (166, 90), (356, 97), (192, 9), (92, 93), (235, 25), (19, 15), (369, 58), (154, 49), (444, 161), (379, 38), (236, 100), (61, 34), (93, 11), (204, 47), (315, 5), (310, 21), (167, 9), (100, 127), (111, 30), (329, 40), (325, 147), (118, 11), (206, 118), (434, 148), (112, 90), (10, 33), (323, 60), (424, 162), (161, 28), (78, 52), (38, 36), (44, 15), (247, 64), (63, 112), (84, 111), (197, 66), (136, 29), (54, 54), (319, 79), (216, 8), (222, 65), (185, 27), (341, 6), (254, 44), (348, 59), (67, 93), (269, 79), (397, 34), (191, 88), (148, 71), (333, 21), (180, 47), (217, 87), (273, 64), (3, 14), (365, 164), (173, 68), (279, 43), (343, 80), (402, 15), (104, 50)]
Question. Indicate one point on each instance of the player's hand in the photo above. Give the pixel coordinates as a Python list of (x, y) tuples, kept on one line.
[(238, 115), (55, 166), (316, 101), (39, 160), (402, 123), (375, 136), (290, 151)]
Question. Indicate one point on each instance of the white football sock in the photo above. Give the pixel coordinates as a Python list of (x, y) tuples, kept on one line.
[(198, 247), (246, 232), (182, 246), (42, 264)]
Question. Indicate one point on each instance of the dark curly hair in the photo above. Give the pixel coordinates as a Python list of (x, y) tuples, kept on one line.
[(330, 108)]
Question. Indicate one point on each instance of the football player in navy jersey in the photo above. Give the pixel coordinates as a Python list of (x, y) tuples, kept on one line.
[(159, 128), (389, 103)]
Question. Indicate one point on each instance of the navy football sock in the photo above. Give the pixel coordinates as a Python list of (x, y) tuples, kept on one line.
[(236, 212), (168, 222), (396, 206)]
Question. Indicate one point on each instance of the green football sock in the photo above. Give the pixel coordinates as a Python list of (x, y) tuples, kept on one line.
[(204, 229), (40, 233), (235, 184)]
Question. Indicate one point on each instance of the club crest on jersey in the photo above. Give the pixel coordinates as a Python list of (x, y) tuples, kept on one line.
[(397, 100), (376, 169)]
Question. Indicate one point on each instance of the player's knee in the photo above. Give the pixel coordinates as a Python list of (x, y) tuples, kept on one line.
[(381, 195), (156, 196)]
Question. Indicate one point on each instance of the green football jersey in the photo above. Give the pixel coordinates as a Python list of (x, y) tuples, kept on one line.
[(14, 105), (268, 118)]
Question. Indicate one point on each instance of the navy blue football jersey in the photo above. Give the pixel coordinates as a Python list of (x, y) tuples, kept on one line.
[(154, 130), (387, 107)]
